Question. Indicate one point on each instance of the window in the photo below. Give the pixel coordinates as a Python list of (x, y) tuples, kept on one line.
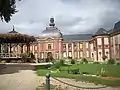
[(100, 53), (30, 48), (87, 45), (64, 54), (81, 45), (99, 41), (64, 46), (92, 54), (107, 53), (35, 47), (75, 45), (69, 46), (49, 46)]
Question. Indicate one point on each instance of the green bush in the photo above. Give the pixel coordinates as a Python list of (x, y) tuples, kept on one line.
[(62, 61), (111, 61), (58, 64), (24, 57), (32, 56), (84, 60), (74, 71), (85, 73), (117, 63), (72, 61), (96, 63)]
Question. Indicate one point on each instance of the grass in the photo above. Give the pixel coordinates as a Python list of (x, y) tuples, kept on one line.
[(112, 70)]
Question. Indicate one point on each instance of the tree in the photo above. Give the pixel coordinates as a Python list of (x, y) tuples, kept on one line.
[(7, 9)]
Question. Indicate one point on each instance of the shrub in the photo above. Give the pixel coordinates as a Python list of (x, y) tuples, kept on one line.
[(58, 64), (96, 63), (111, 61), (117, 63), (32, 56), (72, 61), (84, 60), (24, 57), (62, 62), (85, 73), (74, 71), (69, 57)]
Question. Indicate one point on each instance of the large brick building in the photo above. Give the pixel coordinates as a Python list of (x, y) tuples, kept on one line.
[(91, 46)]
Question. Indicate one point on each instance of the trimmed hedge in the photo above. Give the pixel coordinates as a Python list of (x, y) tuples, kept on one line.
[(72, 61), (84, 61), (111, 61)]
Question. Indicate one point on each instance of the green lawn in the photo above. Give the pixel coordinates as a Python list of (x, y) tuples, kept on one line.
[(112, 70)]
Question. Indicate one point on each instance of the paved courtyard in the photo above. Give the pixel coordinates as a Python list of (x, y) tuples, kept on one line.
[(23, 77)]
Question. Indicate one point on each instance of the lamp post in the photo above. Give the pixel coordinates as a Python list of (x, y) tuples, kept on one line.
[(48, 81)]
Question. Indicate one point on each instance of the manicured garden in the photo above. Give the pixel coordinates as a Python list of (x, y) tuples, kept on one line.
[(84, 72)]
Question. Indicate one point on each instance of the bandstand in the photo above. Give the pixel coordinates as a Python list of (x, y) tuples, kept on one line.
[(11, 44)]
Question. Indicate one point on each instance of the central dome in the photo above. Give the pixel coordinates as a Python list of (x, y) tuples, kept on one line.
[(51, 31)]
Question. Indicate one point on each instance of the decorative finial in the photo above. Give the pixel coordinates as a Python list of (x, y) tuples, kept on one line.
[(13, 28), (52, 22)]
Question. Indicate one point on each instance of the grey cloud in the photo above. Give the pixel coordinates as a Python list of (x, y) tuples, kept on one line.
[(71, 16)]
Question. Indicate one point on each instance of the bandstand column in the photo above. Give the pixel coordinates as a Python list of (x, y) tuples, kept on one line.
[(0, 47), (28, 48), (21, 48)]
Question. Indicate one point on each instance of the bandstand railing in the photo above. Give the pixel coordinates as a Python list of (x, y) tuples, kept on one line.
[(10, 55)]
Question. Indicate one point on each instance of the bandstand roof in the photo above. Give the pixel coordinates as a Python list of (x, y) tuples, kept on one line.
[(15, 37)]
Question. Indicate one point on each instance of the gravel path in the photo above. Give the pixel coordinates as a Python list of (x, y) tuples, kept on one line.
[(23, 77)]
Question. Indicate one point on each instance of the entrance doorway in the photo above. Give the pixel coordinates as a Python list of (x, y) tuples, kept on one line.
[(49, 57)]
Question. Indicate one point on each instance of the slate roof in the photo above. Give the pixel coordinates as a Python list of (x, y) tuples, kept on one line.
[(117, 25), (110, 31), (51, 32), (101, 31), (77, 37)]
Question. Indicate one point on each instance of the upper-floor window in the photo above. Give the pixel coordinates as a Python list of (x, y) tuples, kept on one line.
[(75, 45), (69, 46), (87, 45), (99, 41), (35, 47), (81, 45), (64, 46), (49, 46)]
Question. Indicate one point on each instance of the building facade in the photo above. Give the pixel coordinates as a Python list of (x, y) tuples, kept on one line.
[(100, 46)]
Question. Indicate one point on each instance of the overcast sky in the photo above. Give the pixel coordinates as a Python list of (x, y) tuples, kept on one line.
[(71, 16)]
